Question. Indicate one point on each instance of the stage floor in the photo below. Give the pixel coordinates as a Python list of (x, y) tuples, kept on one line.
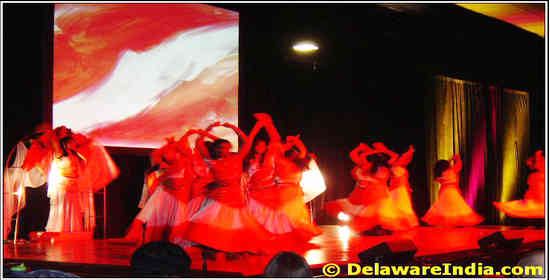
[(337, 244)]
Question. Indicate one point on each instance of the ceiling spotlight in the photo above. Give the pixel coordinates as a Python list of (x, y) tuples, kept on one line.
[(305, 47)]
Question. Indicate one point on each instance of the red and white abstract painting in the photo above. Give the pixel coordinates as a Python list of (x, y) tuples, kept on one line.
[(131, 75)]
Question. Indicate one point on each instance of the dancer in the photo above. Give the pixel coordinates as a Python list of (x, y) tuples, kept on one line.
[(76, 167), (450, 209), (276, 197), (64, 193), (223, 222), (254, 160), (16, 178), (399, 186), (170, 191), (532, 205), (370, 204)]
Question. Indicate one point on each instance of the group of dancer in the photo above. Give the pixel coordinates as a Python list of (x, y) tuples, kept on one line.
[(249, 201), (381, 203)]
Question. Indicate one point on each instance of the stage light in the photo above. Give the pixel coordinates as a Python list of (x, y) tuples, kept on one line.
[(343, 217), (19, 192), (305, 47), (312, 183)]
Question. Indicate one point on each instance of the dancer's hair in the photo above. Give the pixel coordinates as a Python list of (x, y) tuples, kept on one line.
[(302, 163), (63, 143), (252, 153), (378, 160), (210, 147), (217, 143), (440, 167), (288, 264)]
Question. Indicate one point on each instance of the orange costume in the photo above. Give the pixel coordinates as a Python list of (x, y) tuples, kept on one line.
[(370, 203), (533, 204), (167, 208), (399, 183), (451, 209), (400, 192), (276, 199), (223, 221), (381, 210)]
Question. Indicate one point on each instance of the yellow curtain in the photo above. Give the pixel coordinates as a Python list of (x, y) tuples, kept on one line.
[(489, 128), (448, 133), (515, 139)]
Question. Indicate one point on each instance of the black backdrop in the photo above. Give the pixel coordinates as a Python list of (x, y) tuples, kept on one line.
[(367, 83)]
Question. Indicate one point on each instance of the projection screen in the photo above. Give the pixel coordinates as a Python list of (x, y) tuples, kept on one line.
[(131, 75)]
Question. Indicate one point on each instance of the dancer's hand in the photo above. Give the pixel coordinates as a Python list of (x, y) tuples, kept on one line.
[(380, 146), (363, 147), (263, 117), (213, 125), (190, 132), (293, 139)]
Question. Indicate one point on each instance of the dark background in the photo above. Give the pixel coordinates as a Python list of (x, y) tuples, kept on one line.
[(368, 82)]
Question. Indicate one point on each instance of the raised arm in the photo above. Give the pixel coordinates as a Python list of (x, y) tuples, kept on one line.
[(457, 163), (269, 127), (406, 157), (199, 143), (357, 154), (295, 141), (183, 143), (237, 130), (249, 142), (380, 147)]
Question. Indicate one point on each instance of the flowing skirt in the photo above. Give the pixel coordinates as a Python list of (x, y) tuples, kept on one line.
[(160, 212), (181, 222), (70, 212), (402, 199), (282, 211), (370, 207), (382, 213), (224, 223), (526, 208), (227, 228), (357, 200), (450, 209)]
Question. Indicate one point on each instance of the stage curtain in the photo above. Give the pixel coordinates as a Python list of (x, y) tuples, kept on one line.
[(514, 149), (489, 128), (459, 116)]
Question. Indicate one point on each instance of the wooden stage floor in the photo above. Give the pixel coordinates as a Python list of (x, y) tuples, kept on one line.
[(337, 244)]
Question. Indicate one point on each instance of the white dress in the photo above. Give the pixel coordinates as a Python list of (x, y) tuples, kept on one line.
[(15, 180), (70, 205)]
